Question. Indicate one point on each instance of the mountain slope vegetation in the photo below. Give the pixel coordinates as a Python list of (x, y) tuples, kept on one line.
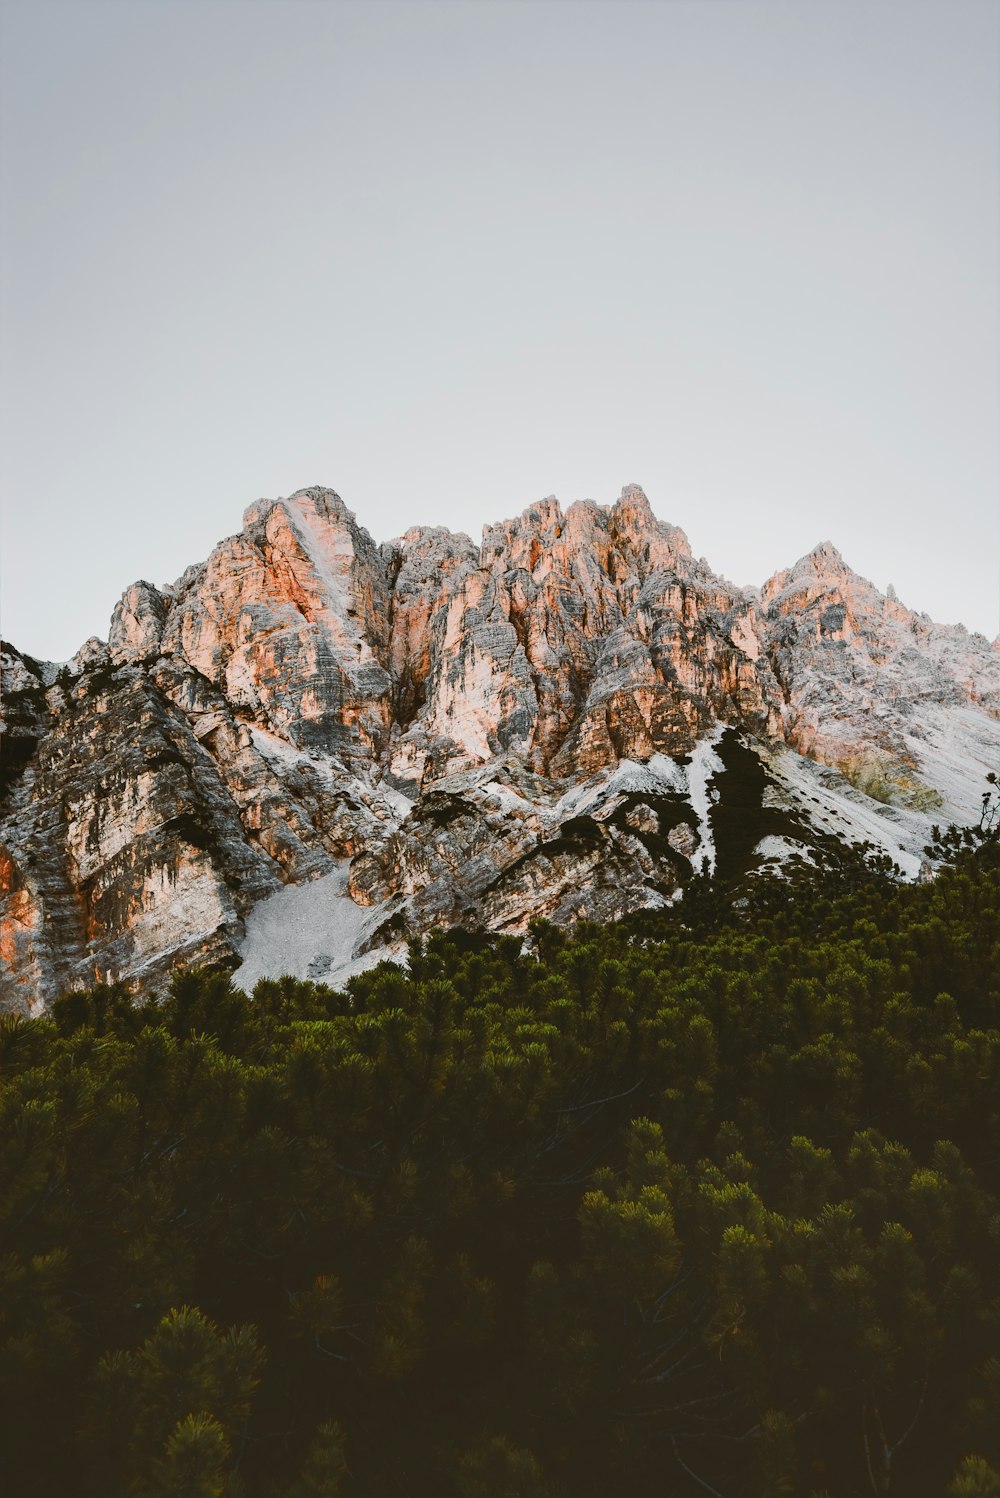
[(704, 1202)]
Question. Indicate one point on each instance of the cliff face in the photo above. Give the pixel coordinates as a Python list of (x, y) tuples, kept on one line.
[(533, 726)]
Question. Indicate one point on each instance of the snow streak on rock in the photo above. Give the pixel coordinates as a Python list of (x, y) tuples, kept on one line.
[(704, 767)]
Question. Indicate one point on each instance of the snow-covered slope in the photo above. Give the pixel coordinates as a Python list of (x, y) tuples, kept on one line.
[(312, 930)]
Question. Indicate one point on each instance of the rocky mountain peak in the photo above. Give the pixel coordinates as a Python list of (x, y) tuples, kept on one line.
[(653, 544), (137, 623), (633, 511), (92, 653), (825, 557), (821, 569), (314, 501), (488, 732), (519, 544)]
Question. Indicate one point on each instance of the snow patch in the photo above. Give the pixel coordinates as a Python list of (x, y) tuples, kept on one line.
[(310, 931), (834, 806), (668, 772), (780, 848), (702, 793), (955, 748), (657, 777), (509, 799), (400, 804)]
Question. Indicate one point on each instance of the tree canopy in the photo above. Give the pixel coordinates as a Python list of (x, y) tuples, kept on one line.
[(708, 1201)]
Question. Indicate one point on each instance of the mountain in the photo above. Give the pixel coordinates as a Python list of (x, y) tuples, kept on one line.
[(310, 747)]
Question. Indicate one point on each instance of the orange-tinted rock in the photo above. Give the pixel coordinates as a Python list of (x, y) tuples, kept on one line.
[(256, 723)]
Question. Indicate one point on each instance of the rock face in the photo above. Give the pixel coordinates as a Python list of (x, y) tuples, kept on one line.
[(548, 724)]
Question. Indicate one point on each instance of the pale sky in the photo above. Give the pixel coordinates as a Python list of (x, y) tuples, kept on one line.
[(449, 258)]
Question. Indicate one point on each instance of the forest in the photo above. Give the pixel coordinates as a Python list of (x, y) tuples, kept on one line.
[(705, 1202)]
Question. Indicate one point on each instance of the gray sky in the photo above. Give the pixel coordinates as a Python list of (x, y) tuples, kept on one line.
[(449, 258)]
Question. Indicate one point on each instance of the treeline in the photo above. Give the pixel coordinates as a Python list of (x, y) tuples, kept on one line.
[(705, 1204)]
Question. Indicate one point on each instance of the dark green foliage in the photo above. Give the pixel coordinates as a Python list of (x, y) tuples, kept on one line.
[(705, 1202), (163, 1418), (671, 811), (739, 817)]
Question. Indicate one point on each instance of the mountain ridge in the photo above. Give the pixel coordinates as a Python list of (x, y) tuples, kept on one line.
[(297, 705)]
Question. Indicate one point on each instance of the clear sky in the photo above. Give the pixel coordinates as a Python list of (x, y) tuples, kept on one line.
[(449, 258)]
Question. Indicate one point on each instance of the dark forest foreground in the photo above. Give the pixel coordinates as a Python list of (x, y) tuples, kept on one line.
[(705, 1204)]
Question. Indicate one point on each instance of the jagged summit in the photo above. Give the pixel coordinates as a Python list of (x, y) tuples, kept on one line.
[(826, 554), (541, 723), (822, 567)]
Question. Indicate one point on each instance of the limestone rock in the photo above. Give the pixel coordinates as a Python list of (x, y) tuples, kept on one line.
[(557, 722), (137, 624), (867, 685)]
